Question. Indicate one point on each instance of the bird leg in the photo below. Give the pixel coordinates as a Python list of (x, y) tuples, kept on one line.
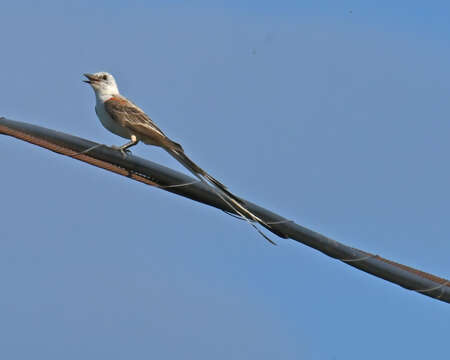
[(124, 148)]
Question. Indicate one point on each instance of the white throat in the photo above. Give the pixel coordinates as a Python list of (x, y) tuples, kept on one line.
[(104, 94)]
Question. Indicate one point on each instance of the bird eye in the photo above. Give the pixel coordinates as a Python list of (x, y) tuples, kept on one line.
[(104, 77)]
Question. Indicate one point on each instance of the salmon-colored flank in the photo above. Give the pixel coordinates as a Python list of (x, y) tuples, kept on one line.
[(118, 99)]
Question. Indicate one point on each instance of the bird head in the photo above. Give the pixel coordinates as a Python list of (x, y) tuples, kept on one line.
[(103, 83)]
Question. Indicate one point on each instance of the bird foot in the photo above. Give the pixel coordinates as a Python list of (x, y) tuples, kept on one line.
[(124, 152)]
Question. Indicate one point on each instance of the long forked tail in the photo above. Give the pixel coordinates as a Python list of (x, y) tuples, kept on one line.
[(234, 202)]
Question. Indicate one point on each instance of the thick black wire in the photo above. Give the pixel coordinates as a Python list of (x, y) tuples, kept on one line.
[(184, 185)]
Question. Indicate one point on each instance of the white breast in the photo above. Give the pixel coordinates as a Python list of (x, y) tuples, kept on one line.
[(108, 122)]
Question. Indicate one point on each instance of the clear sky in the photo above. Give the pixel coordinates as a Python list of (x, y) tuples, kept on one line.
[(334, 114)]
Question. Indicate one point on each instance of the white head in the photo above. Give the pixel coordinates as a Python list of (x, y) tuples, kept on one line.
[(103, 84)]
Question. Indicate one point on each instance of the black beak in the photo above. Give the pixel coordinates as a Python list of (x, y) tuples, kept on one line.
[(91, 78)]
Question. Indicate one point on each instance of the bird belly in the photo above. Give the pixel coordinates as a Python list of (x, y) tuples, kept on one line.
[(110, 124)]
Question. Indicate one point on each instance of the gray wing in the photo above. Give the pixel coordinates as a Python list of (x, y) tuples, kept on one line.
[(130, 116)]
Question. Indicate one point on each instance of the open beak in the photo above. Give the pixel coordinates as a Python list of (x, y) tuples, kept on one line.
[(91, 78)]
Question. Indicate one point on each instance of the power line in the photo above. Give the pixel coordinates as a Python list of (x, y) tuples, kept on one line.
[(153, 174)]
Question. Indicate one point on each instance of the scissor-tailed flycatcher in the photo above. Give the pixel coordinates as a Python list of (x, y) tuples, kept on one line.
[(120, 116)]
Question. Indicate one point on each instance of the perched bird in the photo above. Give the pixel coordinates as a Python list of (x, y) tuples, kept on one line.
[(123, 118)]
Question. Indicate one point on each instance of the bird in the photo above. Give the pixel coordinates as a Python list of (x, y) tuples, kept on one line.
[(125, 119)]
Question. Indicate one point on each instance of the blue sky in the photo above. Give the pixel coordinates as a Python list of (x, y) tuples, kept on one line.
[(338, 120)]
